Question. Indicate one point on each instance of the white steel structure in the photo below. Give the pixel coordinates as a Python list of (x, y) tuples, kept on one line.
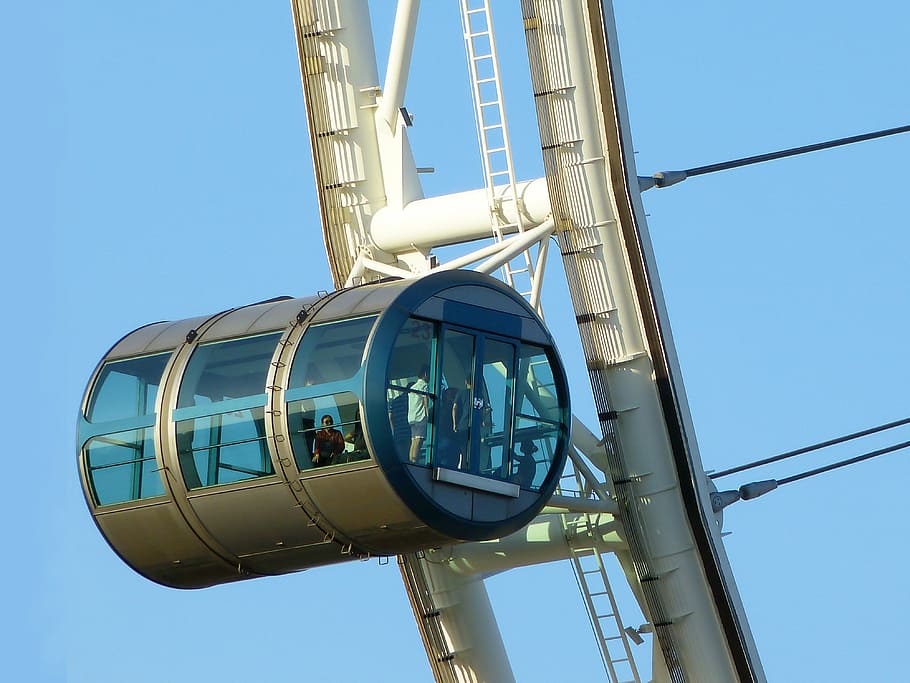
[(638, 487)]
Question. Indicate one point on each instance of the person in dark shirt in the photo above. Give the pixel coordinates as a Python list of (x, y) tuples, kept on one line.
[(328, 443), (355, 437), (524, 466), (462, 411)]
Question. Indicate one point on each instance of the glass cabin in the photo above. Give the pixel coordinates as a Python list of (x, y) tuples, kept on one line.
[(294, 433)]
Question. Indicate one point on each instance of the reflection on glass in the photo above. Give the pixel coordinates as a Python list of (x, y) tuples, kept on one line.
[(537, 418), (411, 391), (448, 445), (536, 388), (224, 370), (456, 412), (326, 430), (397, 398), (226, 441), (493, 408), (330, 352), (223, 448), (536, 441), (127, 388), (122, 467)]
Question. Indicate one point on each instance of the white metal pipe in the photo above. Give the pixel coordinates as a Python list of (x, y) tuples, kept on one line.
[(537, 282), (356, 271), (386, 269), (396, 74), (516, 245), (479, 254), (472, 257), (453, 218)]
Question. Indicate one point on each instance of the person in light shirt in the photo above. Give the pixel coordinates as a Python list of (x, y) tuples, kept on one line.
[(418, 412)]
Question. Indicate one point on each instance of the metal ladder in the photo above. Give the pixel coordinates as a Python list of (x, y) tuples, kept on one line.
[(594, 583), (493, 134)]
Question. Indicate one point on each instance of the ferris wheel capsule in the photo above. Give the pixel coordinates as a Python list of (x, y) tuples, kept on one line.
[(296, 433)]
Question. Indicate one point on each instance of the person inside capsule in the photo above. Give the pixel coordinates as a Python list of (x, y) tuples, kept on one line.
[(328, 443), (418, 412), (524, 466)]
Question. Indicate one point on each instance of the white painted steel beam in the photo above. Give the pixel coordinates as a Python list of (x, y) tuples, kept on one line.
[(396, 75), (515, 245), (454, 218), (684, 576), (456, 622)]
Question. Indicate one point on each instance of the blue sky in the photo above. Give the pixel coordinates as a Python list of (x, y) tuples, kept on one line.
[(156, 166)]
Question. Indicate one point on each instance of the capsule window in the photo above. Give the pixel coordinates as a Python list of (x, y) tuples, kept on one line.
[(412, 390), (330, 352), (220, 412), (497, 379), (538, 418), (326, 430), (122, 466), (472, 401), (126, 388), (120, 463)]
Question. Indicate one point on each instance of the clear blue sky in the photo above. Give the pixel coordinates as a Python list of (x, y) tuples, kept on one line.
[(155, 165)]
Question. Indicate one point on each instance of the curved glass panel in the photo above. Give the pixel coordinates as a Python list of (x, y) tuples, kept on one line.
[(495, 415), (455, 414), (121, 463), (220, 412), (412, 390), (330, 352), (126, 388), (326, 430), (223, 448), (223, 370), (121, 466), (538, 417)]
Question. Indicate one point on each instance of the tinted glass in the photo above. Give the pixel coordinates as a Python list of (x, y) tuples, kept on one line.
[(224, 370), (495, 414), (127, 388), (411, 390), (537, 418), (455, 414), (330, 352), (223, 448), (535, 387), (122, 466), (317, 444)]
